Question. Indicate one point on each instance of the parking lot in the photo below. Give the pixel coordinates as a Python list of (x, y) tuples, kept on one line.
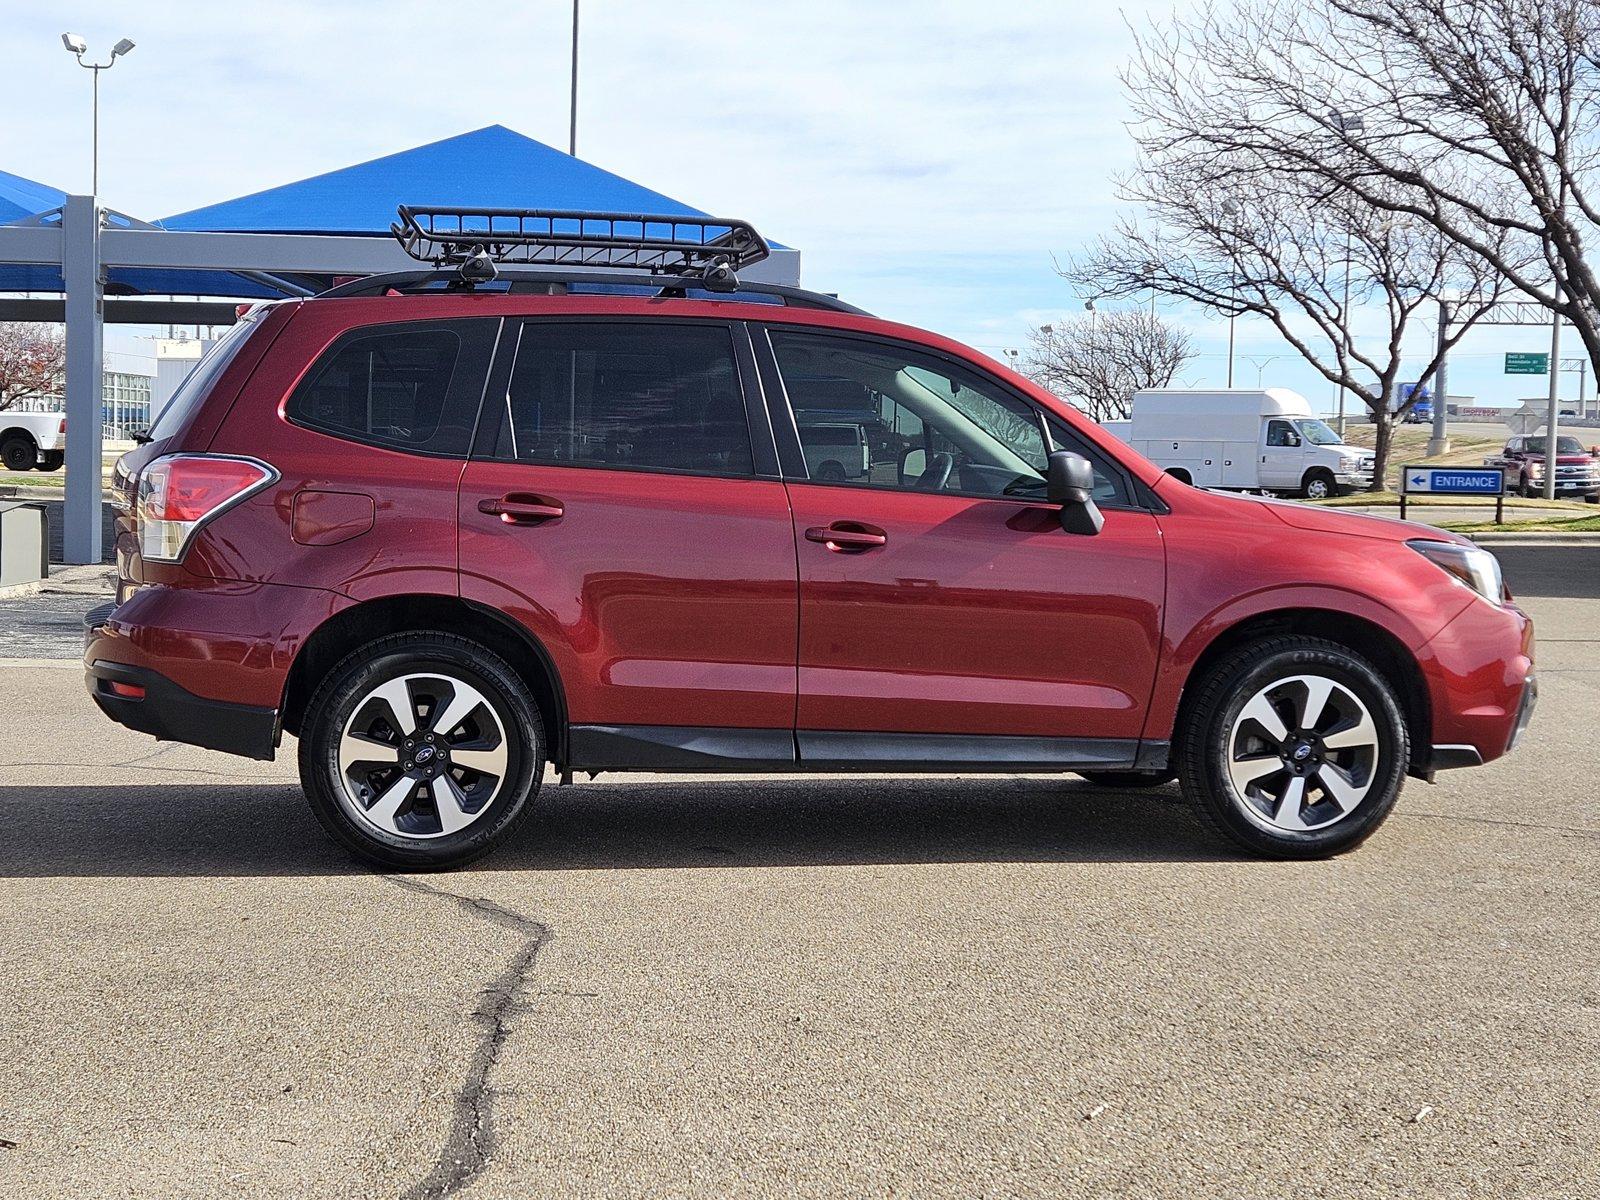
[(862, 986)]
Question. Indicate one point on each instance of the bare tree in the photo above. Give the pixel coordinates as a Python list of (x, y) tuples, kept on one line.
[(33, 361), (1102, 360), (1285, 256), (1479, 118)]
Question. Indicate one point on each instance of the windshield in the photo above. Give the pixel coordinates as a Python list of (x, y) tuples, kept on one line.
[(1564, 445), (1318, 434)]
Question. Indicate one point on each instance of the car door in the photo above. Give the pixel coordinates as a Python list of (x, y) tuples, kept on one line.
[(945, 617), (618, 505), (1282, 455)]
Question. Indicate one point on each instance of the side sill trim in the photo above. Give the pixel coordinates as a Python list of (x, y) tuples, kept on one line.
[(942, 752), (705, 749)]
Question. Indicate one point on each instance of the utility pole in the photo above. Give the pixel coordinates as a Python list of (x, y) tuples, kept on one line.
[(1439, 442), (572, 109), (1553, 417)]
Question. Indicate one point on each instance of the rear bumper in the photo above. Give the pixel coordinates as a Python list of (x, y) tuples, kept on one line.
[(150, 703), (203, 665)]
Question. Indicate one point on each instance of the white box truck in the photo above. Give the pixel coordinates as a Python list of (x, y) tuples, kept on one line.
[(1250, 440)]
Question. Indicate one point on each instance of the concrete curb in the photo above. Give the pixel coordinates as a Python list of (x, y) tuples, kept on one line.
[(1534, 538), (31, 588)]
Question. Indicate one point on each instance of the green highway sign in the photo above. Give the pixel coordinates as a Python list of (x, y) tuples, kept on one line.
[(1528, 364)]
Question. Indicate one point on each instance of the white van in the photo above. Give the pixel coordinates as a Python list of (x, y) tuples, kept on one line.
[(1250, 440)]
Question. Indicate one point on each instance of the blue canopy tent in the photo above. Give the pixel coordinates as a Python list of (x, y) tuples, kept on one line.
[(289, 240)]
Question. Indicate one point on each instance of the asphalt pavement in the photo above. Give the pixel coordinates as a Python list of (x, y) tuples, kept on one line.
[(799, 988)]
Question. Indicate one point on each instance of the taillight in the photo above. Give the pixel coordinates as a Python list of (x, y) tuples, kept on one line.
[(63, 426), (179, 493)]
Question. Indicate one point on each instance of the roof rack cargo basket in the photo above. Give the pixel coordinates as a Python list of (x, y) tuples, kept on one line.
[(664, 245)]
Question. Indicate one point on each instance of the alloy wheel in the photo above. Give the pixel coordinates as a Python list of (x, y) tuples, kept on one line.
[(1302, 754), (422, 755)]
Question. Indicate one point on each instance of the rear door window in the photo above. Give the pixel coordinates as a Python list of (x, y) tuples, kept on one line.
[(628, 396), (414, 387)]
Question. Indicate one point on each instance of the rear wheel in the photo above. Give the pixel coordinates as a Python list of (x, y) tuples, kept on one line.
[(18, 453), (1295, 748), (421, 751), (1319, 484)]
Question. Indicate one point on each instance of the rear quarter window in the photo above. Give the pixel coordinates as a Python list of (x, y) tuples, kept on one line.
[(414, 386)]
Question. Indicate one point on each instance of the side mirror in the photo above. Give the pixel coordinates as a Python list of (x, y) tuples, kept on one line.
[(913, 463), (1069, 482), (1293, 440)]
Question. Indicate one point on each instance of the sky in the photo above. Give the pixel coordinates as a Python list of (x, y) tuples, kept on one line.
[(931, 160)]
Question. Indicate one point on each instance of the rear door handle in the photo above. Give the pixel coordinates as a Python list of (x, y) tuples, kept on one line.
[(846, 537), (522, 508)]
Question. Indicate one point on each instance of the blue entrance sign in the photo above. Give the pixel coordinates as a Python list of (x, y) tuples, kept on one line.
[(1455, 481)]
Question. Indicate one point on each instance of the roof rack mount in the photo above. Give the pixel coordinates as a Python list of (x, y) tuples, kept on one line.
[(699, 251)]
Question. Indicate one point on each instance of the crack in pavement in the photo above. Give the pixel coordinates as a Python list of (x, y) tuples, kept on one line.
[(467, 1150)]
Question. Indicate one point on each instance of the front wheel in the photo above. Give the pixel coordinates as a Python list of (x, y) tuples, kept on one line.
[(1319, 484), (18, 453), (421, 751), (1295, 748)]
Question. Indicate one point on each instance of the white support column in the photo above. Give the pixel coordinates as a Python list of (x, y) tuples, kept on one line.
[(80, 268)]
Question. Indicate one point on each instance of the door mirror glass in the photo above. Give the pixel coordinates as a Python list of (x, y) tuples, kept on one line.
[(913, 465), (1070, 483)]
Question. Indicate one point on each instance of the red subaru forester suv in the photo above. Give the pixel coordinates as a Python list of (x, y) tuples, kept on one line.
[(455, 526)]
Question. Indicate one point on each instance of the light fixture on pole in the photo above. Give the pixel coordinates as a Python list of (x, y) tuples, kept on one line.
[(77, 47)]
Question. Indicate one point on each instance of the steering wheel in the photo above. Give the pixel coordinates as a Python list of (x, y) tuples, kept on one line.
[(937, 475)]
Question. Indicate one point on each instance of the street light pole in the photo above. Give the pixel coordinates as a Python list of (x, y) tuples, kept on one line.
[(1348, 124), (572, 108), (1439, 442), (77, 47)]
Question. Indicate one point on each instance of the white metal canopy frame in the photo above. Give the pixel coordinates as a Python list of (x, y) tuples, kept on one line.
[(84, 241)]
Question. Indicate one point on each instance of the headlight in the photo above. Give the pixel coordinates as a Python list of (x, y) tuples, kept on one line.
[(1473, 566)]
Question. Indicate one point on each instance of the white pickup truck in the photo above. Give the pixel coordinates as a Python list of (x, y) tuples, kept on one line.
[(31, 440)]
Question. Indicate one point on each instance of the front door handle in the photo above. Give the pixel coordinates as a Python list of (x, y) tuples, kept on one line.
[(522, 508), (847, 537)]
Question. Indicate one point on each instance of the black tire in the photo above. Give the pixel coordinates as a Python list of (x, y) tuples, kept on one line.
[(1125, 780), (51, 460), (350, 683), (830, 472), (1319, 484), (1203, 757), (18, 453)]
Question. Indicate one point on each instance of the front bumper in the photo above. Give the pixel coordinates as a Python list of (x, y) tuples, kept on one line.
[(1481, 685)]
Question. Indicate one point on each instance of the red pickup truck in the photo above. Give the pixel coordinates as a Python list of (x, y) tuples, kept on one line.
[(1577, 469)]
